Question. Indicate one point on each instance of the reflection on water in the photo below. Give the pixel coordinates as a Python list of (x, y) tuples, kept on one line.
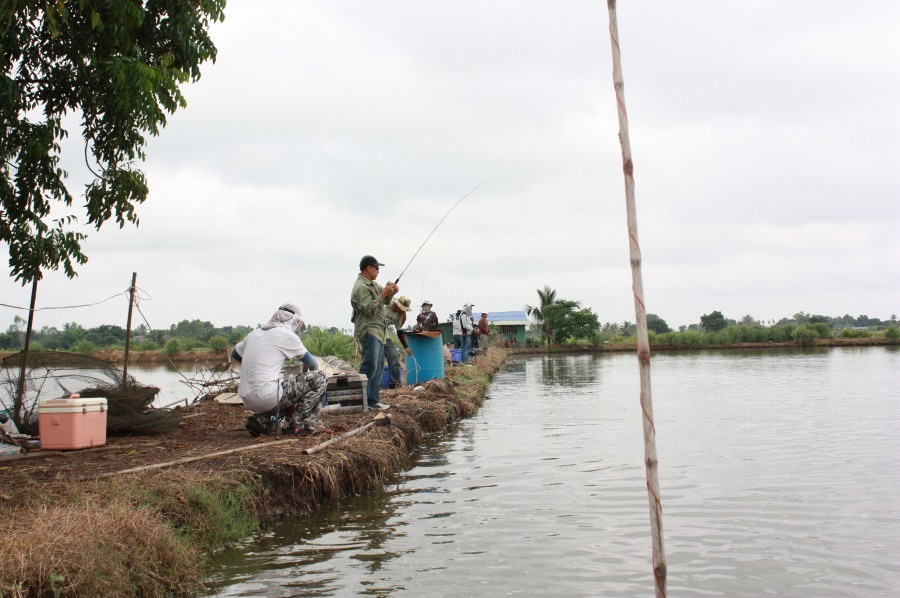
[(779, 474)]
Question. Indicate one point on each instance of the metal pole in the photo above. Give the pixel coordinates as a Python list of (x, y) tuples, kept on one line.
[(643, 340), (128, 328)]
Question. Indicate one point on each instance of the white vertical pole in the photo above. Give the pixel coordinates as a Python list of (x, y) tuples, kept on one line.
[(640, 312)]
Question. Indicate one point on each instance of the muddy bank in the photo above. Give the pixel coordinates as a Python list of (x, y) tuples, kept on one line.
[(75, 527)]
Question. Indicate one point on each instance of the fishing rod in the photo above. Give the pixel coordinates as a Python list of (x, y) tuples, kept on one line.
[(442, 221)]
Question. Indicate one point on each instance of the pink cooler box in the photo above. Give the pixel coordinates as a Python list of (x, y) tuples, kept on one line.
[(68, 424)]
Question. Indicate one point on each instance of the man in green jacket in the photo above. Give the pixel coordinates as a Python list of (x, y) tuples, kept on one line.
[(368, 299)]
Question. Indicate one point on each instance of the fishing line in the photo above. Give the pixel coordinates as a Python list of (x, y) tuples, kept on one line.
[(424, 272), (442, 221)]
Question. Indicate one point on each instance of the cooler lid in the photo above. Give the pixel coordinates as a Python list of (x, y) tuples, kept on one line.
[(67, 405)]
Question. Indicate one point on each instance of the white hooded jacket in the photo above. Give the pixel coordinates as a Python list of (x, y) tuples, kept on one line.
[(263, 353)]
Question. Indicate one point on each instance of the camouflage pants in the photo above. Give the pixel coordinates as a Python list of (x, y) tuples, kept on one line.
[(304, 392)]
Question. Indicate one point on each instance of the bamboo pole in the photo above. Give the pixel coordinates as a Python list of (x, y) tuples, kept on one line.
[(184, 460), (353, 432), (128, 328), (242, 449), (643, 340)]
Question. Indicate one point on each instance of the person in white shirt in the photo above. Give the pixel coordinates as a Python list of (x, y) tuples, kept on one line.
[(466, 327), (263, 388)]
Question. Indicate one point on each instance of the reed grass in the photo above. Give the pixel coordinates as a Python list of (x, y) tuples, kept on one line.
[(324, 342)]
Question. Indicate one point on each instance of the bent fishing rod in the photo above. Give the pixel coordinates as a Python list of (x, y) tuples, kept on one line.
[(442, 221)]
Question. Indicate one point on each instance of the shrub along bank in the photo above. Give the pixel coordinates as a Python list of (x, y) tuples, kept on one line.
[(146, 534), (735, 336)]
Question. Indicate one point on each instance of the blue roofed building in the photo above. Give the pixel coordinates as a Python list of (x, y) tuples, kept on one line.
[(511, 326)]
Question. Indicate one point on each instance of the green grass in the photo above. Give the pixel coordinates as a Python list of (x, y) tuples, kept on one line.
[(207, 513), (322, 342)]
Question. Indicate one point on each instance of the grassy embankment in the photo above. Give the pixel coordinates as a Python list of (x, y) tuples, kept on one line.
[(148, 534), (733, 337)]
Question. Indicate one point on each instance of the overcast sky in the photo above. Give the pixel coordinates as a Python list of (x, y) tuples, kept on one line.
[(765, 135)]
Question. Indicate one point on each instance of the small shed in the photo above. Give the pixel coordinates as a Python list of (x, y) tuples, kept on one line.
[(510, 325)]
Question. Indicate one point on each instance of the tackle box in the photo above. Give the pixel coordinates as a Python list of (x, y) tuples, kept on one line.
[(73, 423), (347, 391)]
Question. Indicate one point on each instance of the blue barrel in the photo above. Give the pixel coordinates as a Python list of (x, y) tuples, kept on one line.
[(427, 361)]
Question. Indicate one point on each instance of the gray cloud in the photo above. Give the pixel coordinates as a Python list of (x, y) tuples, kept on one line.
[(765, 138)]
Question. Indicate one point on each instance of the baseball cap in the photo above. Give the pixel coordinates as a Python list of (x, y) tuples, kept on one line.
[(367, 261)]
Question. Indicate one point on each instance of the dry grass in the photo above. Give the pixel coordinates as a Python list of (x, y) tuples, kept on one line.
[(95, 551)]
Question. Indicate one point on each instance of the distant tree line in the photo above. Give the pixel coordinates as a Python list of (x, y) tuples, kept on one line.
[(557, 320), (184, 336)]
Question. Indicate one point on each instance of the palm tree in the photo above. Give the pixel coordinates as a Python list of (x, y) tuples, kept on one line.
[(547, 297)]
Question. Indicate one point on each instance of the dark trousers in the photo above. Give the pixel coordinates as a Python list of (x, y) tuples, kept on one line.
[(372, 366)]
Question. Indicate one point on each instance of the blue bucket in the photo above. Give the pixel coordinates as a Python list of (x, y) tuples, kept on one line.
[(456, 355), (386, 377), (427, 361)]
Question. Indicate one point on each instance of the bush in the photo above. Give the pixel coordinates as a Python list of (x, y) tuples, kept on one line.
[(822, 329), (805, 334), (146, 345), (172, 347), (83, 347), (853, 333), (782, 332), (892, 334), (218, 344)]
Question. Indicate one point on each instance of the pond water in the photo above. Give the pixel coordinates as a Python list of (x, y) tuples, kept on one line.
[(779, 473)]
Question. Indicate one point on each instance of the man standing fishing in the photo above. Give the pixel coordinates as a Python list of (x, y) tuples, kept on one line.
[(368, 300)]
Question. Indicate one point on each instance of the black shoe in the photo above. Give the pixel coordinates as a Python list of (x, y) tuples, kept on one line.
[(254, 427)]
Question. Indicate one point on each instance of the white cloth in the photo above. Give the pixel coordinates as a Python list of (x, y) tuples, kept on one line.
[(287, 315), (465, 322), (457, 328), (263, 353)]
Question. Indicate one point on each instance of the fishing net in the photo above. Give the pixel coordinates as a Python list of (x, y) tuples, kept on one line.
[(209, 382), (55, 375)]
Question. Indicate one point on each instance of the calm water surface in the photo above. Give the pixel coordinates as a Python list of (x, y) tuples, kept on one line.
[(779, 474)]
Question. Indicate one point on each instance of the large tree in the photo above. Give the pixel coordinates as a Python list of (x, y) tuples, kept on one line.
[(117, 66), (657, 324), (713, 322), (568, 321), (547, 297)]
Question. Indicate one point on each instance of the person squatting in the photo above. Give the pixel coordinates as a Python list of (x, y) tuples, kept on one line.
[(268, 394)]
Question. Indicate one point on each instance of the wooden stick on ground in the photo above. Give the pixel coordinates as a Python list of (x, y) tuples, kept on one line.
[(242, 449), (643, 340), (322, 445)]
